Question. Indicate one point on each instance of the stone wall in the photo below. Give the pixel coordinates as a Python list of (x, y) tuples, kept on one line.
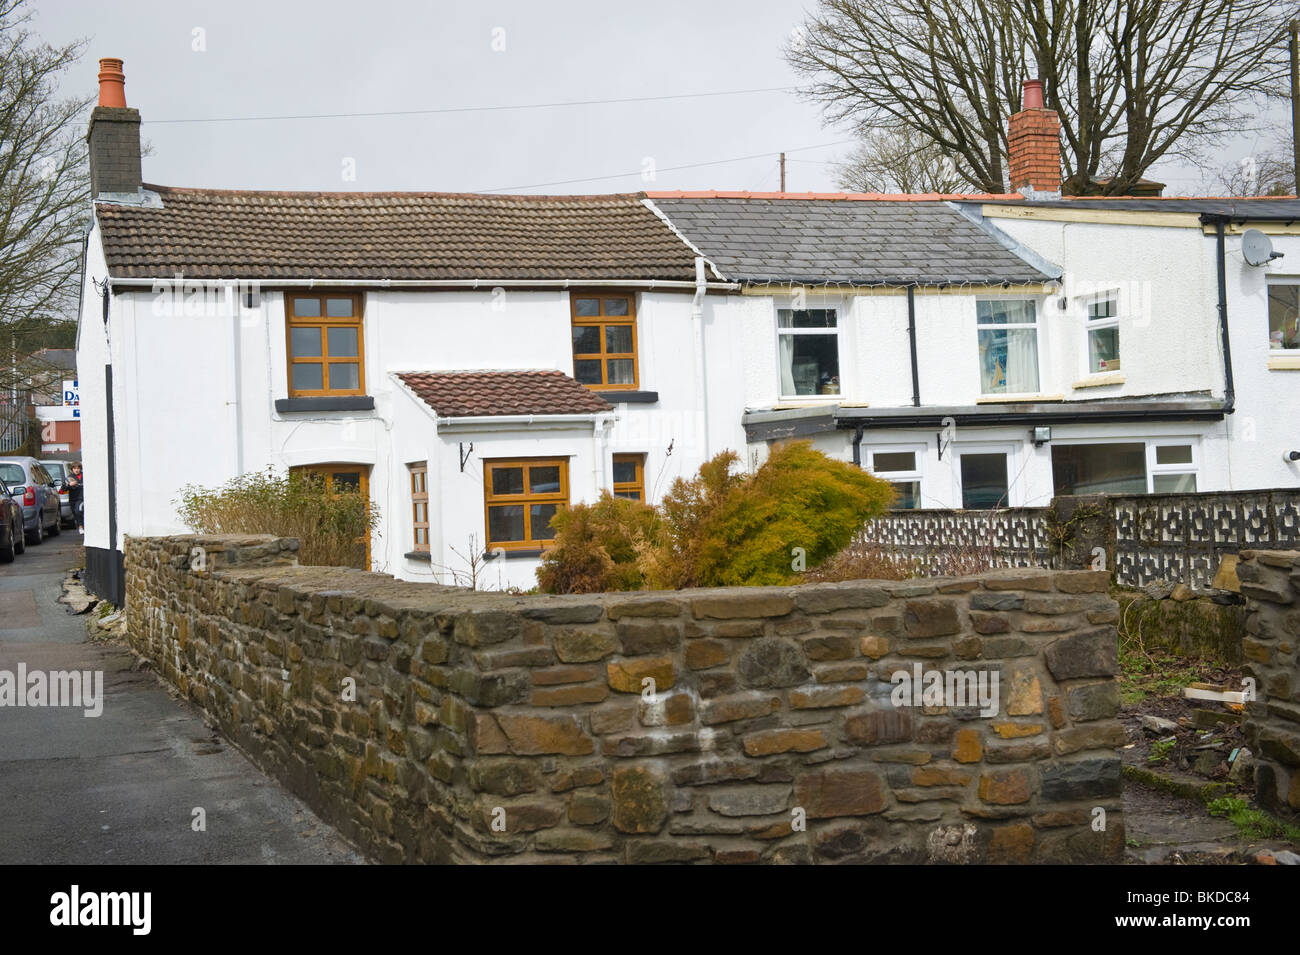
[(728, 726), (1270, 582)]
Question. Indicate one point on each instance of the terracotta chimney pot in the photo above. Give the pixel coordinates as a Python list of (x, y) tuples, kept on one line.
[(112, 83)]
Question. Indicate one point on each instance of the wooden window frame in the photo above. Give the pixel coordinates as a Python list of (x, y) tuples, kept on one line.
[(604, 321), (623, 488), (327, 470), (355, 320), (419, 495), (525, 499)]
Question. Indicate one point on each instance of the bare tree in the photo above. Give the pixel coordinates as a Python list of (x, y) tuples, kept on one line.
[(899, 159), (1135, 81), (44, 186), (1268, 171)]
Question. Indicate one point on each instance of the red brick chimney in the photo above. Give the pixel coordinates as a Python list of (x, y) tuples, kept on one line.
[(113, 137), (1034, 145)]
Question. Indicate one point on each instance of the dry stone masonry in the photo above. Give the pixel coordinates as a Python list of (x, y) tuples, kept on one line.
[(759, 725), (1270, 582)]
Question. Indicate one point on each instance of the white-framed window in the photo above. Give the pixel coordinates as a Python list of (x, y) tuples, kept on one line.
[(1126, 466), (1102, 316), (986, 476), (1173, 465), (1008, 346), (1284, 317), (808, 351), (901, 467)]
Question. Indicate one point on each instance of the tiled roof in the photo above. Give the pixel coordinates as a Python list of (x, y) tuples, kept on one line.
[(211, 233), (465, 394), (851, 240)]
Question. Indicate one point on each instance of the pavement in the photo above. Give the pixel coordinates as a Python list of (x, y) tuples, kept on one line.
[(123, 787)]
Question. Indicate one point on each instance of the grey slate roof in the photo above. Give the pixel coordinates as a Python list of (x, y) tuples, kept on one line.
[(844, 241), (1238, 208)]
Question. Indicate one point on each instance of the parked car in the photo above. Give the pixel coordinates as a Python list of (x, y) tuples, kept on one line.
[(31, 486), (12, 539), (59, 471)]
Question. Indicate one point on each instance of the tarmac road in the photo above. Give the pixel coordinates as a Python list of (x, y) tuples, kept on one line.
[(121, 788)]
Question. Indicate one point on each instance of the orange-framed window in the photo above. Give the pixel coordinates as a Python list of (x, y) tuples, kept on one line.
[(604, 340), (629, 476), (325, 344), (519, 499), (420, 506), (349, 477)]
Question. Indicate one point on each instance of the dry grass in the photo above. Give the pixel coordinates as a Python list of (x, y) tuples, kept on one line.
[(865, 560), (332, 524)]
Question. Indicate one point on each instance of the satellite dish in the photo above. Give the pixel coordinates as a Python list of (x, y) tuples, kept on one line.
[(1256, 248)]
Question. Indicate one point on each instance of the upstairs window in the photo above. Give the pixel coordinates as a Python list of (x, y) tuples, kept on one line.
[(325, 345), (1008, 347), (1284, 316), (604, 341), (520, 498), (808, 346), (1103, 334)]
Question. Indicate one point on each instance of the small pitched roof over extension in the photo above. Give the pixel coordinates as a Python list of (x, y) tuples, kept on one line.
[(471, 394), (844, 239), (215, 233)]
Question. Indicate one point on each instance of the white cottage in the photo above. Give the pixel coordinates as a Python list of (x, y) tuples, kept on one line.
[(474, 363)]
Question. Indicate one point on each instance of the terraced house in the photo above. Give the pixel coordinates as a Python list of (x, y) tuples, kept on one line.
[(476, 362)]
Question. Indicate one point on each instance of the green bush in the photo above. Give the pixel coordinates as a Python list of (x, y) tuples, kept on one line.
[(721, 527), (332, 524), (799, 498), (595, 547)]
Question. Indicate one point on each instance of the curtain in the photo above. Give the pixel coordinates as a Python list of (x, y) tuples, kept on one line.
[(1022, 361), (785, 348)]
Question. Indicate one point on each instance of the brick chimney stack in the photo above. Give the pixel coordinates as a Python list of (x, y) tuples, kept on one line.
[(114, 136), (1034, 146)]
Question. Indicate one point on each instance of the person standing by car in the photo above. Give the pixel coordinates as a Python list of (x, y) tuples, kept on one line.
[(75, 497)]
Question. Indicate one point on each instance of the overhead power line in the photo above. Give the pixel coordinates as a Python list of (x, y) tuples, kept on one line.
[(659, 169), (474, 109)]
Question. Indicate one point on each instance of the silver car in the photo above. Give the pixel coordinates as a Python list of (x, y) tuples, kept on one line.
[(59, 471), (33, 489)]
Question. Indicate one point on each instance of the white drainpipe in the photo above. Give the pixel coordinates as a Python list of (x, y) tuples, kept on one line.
[(697, 320), (236, 374)]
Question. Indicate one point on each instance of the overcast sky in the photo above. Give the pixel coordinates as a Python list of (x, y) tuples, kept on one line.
[(235, 58)]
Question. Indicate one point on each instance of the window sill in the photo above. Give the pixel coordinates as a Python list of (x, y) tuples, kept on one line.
[(1284, 362), (804, 401), (490, 556), (1100, 380), (421, 555), (629, 397), (1015, 399), (341, 403)]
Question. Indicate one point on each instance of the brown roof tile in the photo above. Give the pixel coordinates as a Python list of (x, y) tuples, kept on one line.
[(463, 394), (212, 233)]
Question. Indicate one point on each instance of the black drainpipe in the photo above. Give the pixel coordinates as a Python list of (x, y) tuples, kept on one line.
[(111, 436), (1229, 390), (911, 341), (857, 445)]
